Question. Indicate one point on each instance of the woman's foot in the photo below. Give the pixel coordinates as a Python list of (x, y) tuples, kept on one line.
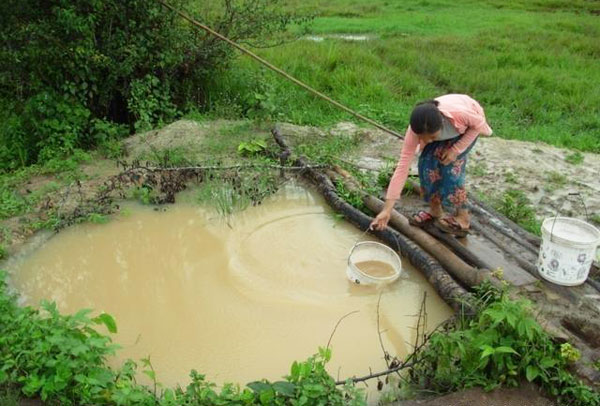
[(421, 218), (453, 225)]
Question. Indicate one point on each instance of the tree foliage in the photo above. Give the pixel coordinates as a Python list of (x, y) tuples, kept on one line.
[(70, 67)]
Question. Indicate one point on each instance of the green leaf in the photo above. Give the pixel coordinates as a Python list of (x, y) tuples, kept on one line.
[(487, 351), (295, 371), (285, 388), (531, 372), (151, 374), (505, 350), (108, 321), (259, 387), (547, 362), (266, 396)]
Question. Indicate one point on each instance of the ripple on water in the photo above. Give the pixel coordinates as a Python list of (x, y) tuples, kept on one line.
[(236, 303)]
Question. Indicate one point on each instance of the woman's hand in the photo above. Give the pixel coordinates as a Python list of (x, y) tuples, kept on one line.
[(380, 222), (449, 156)]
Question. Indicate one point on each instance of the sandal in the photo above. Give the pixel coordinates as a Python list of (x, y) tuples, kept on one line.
[(423, 217), (449, 225)]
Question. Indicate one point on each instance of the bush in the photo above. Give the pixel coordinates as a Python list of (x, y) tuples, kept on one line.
[(66, 63), (501, 346)]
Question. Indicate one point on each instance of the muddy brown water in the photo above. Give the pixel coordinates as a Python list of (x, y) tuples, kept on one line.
[(237, 301), (377, 269)]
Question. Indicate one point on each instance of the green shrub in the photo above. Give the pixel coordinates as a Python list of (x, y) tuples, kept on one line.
[(502, 345), (67, 64), (517, 207)]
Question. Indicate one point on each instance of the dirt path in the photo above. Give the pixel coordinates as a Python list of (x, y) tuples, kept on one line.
[(526, 395)]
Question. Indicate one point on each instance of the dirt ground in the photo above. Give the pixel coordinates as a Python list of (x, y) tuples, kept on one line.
[(526, 395), (543, 172)]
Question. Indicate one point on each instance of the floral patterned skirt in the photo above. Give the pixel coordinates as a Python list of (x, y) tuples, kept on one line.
[(443, 183)]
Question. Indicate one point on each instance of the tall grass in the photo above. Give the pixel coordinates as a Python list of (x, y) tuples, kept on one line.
[(533, 66)]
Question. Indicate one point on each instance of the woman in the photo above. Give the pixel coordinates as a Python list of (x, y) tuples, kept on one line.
[(443, 130)]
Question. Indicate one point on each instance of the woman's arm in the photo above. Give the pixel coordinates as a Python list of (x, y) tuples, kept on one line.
[(465, 140), (411, 141)]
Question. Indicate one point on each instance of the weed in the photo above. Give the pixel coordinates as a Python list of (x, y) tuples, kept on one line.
[(3, 253), (9, 396), (510, 177), (229, 194), (477, 169), (575, 158), (144, 194), (595, 218), (384, 176), (248, 148), (500, 346), (517, 207), (11, 204), (167, 158), (97, 218), (349, 196), (556, 178)]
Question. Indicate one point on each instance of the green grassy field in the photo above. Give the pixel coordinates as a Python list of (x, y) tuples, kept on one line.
[(534, 66)]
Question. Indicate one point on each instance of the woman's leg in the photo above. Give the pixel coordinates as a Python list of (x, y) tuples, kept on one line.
[(430, 177), (454, 193)]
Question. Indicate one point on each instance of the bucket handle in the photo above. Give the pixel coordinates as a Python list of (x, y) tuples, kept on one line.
[(561, 206)]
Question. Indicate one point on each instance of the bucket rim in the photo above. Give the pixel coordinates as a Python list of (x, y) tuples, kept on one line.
[(547, 231), (376, 278)]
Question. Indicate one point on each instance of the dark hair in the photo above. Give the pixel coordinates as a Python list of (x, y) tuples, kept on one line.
[(426, 118)]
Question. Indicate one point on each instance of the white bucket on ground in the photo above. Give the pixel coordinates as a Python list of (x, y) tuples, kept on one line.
[(568, 250), (372, 251)]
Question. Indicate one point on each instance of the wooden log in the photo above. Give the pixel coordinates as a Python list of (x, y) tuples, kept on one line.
[(455, 295), (460, 250), (496, 224), (460, 270), (480, 207)]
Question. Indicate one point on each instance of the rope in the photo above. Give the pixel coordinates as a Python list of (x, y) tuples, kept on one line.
[(281, 72)]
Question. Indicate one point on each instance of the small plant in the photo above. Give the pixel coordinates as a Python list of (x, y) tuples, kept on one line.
[(3, 253), (517, 207), (576, 158), (9, 396), (510, 177), (253, 147), (384, 176), (500, 346), (569, 353), (477, 169), (97, 218), (144, 194), (351, 197), (556, 178)]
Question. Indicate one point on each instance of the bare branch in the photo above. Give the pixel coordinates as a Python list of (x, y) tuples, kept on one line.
[(337, 324)]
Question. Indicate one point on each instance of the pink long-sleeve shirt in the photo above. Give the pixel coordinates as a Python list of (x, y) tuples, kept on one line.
[(464, 113)]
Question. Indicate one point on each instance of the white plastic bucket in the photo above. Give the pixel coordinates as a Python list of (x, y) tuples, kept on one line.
[(372, 251), (568, 250)]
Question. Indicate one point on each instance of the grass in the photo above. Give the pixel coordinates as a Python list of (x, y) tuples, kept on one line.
[(575, 158), (531, 65), (515, 205), (555, 180), (9, 396)]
